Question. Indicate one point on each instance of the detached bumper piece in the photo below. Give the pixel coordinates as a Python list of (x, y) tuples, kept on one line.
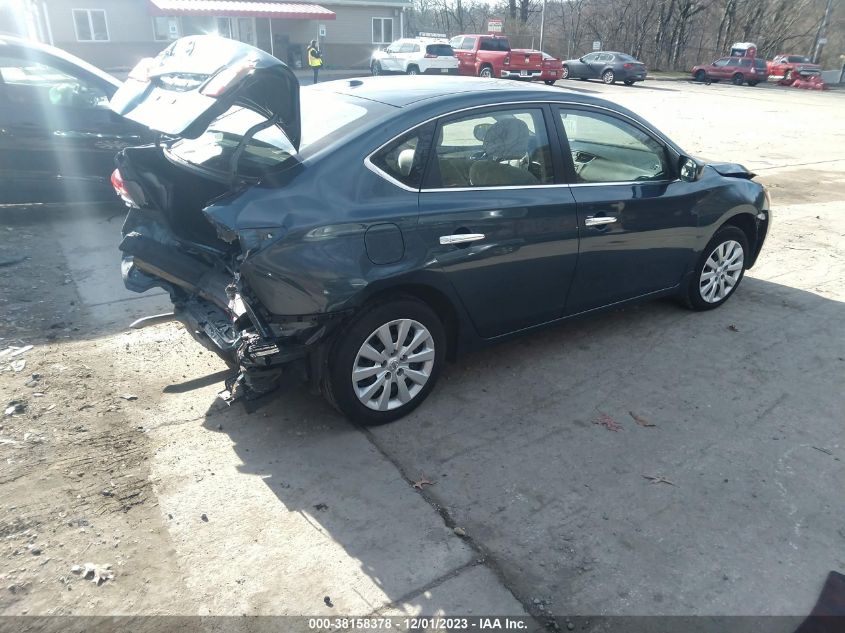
[(263, 367)]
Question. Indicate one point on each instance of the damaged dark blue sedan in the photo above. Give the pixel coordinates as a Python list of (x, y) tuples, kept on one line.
[(359, 233)]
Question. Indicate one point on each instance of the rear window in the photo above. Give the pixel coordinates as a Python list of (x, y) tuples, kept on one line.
[(625, 58), (324, 116), (745, 62), (494, 44), (441, 50)]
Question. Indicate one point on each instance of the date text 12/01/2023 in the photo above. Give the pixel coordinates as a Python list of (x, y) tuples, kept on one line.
[(439, 623)]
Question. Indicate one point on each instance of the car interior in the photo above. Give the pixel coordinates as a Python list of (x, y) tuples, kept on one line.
[(503, 149)]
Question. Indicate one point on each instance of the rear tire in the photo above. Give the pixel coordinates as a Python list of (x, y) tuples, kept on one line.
[(376, 70), (629, 82), (727, 249), (608, 77), (753, 83), (413, 70), (486, 72), (701, 76), (738, 79), (390, 383)]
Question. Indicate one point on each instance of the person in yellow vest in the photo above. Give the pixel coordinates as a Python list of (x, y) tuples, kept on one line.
[(315, 58)]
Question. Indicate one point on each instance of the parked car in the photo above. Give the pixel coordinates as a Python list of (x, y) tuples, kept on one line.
[(552, 69), (492, 56), (793, 66), (58, 136), (738, 70), (608, 66), (461, 212), (416, 56)]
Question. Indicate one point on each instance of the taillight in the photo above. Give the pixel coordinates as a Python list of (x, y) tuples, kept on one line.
[(227, 78), (430, 56), (507, 59), (120, 188), (627, 66)]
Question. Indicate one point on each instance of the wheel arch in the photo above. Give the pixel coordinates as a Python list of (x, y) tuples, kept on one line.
[(434, 298), (746, 223)]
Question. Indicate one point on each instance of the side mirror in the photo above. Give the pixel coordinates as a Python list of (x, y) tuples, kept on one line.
[(689, 169), (580, 59)]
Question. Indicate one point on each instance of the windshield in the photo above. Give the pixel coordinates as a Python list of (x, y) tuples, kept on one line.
[(324, 115)]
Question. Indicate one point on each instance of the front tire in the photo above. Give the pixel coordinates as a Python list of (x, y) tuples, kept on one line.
[(701, 76), (376, 70), (608, 77), (564, 74), (386, 362), (550, 82), (413, 70), (720, 269), (629, 82)]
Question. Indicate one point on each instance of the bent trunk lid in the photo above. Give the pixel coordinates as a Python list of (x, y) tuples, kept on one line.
[(198, 78)]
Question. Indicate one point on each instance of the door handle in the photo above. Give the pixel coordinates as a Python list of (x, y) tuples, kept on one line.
[(461, 238), (599, 220)]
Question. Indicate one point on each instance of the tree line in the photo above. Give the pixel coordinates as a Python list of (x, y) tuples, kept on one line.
[(665, 34)]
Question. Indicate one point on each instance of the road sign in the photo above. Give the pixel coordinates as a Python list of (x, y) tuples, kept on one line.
[(596, 45), (495, 25)]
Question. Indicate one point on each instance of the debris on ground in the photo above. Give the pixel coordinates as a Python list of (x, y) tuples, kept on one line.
[(607, 422), (15, 406), (98, 574), (823, 450), (658, 479), (204, 517), (733, 328), (640, 420), (460, 531), (321, 506), (328, 601), (422, 482), (128, 396)]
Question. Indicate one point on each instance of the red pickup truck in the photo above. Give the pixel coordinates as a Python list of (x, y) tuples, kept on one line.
[(793, 66), (492, 56)]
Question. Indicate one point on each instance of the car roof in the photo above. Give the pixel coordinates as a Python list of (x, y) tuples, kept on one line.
[(8, 41), (403, 91)]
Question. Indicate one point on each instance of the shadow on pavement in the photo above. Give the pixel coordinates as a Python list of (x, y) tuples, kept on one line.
[(546, 451)]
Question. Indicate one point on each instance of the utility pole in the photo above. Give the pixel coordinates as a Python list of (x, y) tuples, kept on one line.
[(821, 36), (543, 23)]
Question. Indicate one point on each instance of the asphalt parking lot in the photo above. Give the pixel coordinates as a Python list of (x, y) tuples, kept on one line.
[(647, 461)]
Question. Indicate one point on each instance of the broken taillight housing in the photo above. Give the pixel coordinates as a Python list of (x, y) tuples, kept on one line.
[(226, 78), (120, 188)]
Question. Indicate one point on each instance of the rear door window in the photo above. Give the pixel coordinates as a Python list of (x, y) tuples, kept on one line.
[(441, 50), (492, 149), (404, 159)]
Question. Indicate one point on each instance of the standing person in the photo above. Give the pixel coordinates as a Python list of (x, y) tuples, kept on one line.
[(315, 58)]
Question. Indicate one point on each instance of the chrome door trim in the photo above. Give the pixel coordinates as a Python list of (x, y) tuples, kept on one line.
[(599, 221), (461, 238)]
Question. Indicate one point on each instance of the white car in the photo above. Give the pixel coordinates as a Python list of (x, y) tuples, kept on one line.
[(416, 56)]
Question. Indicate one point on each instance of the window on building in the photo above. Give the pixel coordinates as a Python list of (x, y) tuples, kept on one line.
[(166, 28), (90, 25), (382, 30), (224, 27)]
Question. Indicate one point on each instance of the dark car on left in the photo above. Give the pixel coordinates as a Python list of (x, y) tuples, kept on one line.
[(58, 136), (608, 66)]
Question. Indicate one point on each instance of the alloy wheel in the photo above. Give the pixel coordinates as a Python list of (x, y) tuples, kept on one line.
[(608, 77), (722, 271), (393, 365), (565, 72)]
